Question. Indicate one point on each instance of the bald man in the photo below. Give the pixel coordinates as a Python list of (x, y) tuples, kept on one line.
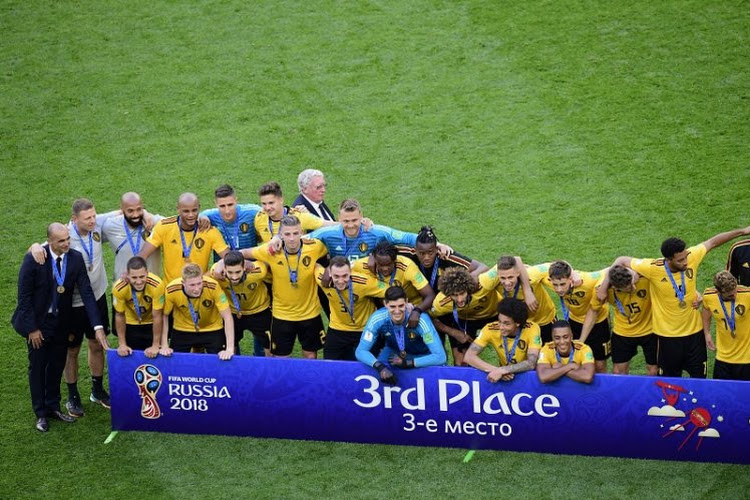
[(181, 242), (42, 316)]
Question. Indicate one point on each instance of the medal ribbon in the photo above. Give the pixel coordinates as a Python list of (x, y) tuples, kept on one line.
[(731, 323), (345, 239), (88, 250), (136, 304), (433, 276), (135, 248), (458, 323), (678, 290), (235, 300), (193, 314), (270, 223), (186, 249), (620, 306), (400, 335), (515, 291), (565, 310), (234, 242), (570, 359), (350, 309), (60, 275), (509, 355), (293, 274)]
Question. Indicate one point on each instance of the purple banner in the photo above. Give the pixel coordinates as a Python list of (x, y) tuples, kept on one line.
[(621, 416)]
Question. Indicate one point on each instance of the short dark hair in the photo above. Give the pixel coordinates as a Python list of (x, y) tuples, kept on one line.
[(506, 262), (456, 280), (515, 309), (560, 269), (339, 261), (560, 323), (620, 277), (427, 235), (394, 293), (350, 205), (136, 262), (289, 220), (233, 258), (385, 249), (671, 246), (270, 188), (82, 204), (223, 191)]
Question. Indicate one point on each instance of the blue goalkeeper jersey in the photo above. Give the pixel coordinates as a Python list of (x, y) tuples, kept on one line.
[(240, 233), (361, 245), (422, 344)]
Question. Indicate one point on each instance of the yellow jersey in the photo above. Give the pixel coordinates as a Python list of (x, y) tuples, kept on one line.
[(293, 300), (545, 312), (668, 317), (207, 307), (168, 236), (251, 294), (583, 354), (530, 338), (267, 229), (632, 311), (406, 275), (578, 298), (730, 348), (150, 299), (363, 288), (482, 303)]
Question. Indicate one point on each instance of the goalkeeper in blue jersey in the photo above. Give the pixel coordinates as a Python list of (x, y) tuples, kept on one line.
[(351, 239), (404, 347)]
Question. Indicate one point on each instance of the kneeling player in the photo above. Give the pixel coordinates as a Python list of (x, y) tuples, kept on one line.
[(250, 302), (405, 346), (138, 303), (198, 307), (512, 327), (565, 357), (729, 305)]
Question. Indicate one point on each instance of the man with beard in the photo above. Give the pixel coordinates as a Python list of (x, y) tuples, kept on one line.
[(565, 357)]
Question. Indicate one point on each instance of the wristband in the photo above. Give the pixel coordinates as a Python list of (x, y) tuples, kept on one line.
[(379, 366), (408, 363)]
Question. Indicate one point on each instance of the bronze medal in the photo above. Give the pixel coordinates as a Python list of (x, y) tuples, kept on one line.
[(239, 315), (60, 289), (683, 304), (402, 354)]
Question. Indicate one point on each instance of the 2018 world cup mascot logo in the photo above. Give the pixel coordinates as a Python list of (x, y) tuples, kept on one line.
[(148, 379)]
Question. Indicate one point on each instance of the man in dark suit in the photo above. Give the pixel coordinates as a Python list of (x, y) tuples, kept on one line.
[(45, 304), (312, 189)]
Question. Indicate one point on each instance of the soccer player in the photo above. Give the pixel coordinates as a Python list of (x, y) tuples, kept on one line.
[(738, 262), (295, 306), (180, 241), (248, 299), (463, 307), (512, 279), (575, 300), (350, 296), (426, 255), (729, 304), (312, 191), (200, 314), (354, 240), (676, 320), (565, 357), (629, 294), (390, 269), (516, 341), (268, 221), (234, 221), (138, 303), (405, 346)]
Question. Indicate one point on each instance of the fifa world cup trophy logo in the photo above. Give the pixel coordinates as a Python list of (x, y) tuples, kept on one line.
[(148, 379)]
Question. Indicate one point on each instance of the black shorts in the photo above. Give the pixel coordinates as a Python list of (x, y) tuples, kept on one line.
[(676, 354), (213, 342), (546, 331), (139, 337), (80, 325), (259, 324), (598, 339), (341, 344), (472, 327), (731, 371), (283, 333), (624, 348)]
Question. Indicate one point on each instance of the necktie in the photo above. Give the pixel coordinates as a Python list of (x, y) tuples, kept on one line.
[(59, 265)]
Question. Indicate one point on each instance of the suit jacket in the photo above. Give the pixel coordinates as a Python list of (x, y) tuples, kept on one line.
[(301, 200), (36, 289)]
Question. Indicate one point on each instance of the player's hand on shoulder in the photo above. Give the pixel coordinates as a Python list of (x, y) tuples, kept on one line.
[(367, 223), (204, 224), (301, 209), (444, 250), (38, 253)]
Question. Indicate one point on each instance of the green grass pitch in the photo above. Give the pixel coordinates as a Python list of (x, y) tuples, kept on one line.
[(575, 129)]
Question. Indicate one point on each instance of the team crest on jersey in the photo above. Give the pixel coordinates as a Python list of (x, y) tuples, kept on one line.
[(412, 335), (522, 344), (363, 247), (689, 273), (641, 294), (580, 294), (96, 236), (252, 286), (244, 227), (207, 303), (306, 261), (147, 299), (740, 309), (397, 283), (199, 243)]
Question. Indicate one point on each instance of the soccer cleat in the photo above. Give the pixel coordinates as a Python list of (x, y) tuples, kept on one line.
[(62, 417), (74, 407), (101, 398), (41, 424)]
